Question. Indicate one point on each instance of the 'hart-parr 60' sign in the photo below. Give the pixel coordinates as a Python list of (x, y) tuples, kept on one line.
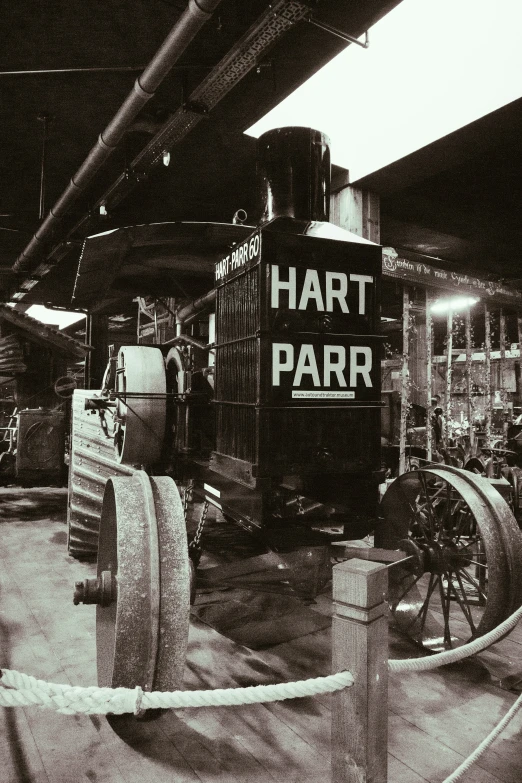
[(320, 370), (317, 304)]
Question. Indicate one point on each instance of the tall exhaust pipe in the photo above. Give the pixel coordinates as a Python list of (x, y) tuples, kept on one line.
[(294, 179), (294, 174)]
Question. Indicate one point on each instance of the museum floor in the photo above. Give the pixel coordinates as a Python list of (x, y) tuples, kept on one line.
[(435, 719)]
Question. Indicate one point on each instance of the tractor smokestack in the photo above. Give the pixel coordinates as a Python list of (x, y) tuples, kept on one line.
[(294, 174)]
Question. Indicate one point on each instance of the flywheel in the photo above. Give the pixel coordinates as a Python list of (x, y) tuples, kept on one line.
[(143, 585), (466, 549), (141, 406)]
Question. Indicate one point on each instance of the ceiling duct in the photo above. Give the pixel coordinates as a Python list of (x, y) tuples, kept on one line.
[(234, 66), (245, 55), (188, 25)]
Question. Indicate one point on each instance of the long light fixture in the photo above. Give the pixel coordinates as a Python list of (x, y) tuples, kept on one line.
[(453, 303)]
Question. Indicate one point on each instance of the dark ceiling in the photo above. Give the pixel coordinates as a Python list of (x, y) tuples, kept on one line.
[(458, 199)]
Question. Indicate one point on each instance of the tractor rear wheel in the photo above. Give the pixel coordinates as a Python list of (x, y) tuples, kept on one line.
[(91, 461), (467, 550)]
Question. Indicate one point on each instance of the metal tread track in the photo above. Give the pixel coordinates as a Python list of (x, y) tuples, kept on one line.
[(92, 461)]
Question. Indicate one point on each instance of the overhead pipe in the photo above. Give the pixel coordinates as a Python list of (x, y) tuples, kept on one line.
[(61, 71), (188, 25)]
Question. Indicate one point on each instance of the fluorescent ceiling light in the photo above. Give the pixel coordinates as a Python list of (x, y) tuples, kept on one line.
[(453, 303), (433, 66), (59, 318)]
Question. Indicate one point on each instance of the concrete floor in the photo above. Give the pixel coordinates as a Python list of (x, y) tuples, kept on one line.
[(435, 719)]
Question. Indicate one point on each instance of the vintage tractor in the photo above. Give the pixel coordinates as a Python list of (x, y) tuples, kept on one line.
[(266, 406)]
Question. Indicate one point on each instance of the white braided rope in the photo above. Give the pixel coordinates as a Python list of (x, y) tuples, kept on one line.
[(484, 745), (21, 690), (452, 656)]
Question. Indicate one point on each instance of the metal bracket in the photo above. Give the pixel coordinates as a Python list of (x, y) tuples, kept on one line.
[(195, 107), (339, 33)]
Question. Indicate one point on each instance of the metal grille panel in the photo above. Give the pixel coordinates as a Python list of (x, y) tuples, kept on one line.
[(237, 379), (236, 431), (238, 307), (311, 441)]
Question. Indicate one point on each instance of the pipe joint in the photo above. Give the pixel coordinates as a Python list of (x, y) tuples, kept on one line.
[(205, 7), (103, 143), (144, 94), (41, 232)]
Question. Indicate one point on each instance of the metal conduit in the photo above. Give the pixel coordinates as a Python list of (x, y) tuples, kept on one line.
[(196, 306), (145, 86)]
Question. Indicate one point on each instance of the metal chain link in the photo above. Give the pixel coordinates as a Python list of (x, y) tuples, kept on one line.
[(194, 544), (187, 497), (300, 509)]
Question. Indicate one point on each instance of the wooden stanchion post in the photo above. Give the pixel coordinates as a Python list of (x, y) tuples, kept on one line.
[(360, 645), (449, 370)]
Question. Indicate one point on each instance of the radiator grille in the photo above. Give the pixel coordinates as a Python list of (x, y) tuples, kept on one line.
[(238, 307), (237, 352), (236, 431), (308, 440), (238, 365)]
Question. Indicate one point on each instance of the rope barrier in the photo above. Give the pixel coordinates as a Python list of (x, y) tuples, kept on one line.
[(452, 656), (484, 745), (458, 654), (22, 690), (18, 689)]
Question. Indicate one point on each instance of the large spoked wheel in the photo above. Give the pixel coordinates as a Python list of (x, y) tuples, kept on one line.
[(141, 407), (464, 578), (142, 617)]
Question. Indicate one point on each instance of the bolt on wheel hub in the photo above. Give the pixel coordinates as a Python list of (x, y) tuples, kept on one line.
[(102, 590)]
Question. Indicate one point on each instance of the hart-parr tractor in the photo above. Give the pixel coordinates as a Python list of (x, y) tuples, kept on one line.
[(265, 406)]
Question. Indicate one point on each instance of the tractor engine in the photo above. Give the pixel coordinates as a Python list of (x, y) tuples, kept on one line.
[(297, 350), (269, 406), (269, 409)]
